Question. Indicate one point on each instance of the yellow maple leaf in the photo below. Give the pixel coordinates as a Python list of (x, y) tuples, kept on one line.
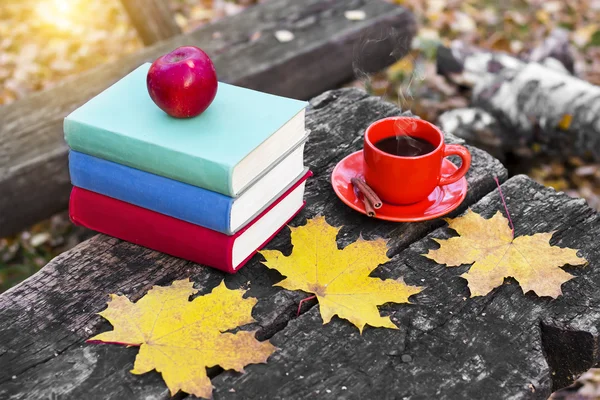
[(489, 245), (181, 338), (583, 35), (565, 122), (339, 278)]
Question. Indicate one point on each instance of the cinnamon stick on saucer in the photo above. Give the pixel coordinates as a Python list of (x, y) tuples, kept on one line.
[(367, 192), (368, 207)]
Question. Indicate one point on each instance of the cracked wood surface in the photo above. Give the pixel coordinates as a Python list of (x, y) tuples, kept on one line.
[(506, 345), (34, 179), (45, 320)]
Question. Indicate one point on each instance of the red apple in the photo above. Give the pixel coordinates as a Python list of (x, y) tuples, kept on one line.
[(183, 82)]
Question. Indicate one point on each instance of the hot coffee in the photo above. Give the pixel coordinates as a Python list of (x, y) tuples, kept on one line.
[(408, 180), (405, 146)]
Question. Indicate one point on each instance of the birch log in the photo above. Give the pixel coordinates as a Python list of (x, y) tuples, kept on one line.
[(538, 105), (556, 46), (468, 65), (523, 104), (477, 127)]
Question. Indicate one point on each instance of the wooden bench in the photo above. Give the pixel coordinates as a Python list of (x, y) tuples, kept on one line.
[(34, 182), (503, 345)]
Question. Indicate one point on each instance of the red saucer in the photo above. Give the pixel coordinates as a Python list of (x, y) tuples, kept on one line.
[(440, 202)]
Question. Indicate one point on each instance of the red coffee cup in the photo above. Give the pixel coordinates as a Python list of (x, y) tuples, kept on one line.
[(406, 180)]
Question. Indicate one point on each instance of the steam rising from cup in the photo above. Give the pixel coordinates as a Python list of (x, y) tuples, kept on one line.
[(401, 45), (405, 128)]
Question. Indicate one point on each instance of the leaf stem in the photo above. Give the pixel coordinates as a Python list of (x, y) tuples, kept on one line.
[(505, 207), (302, 301)]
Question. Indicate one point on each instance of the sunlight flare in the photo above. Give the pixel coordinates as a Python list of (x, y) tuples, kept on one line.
[(61, 14)]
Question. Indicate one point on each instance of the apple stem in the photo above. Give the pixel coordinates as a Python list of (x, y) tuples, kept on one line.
[(505, 206), (302, 301)]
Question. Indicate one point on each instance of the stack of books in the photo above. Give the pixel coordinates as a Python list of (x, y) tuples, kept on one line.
[(212, 189)]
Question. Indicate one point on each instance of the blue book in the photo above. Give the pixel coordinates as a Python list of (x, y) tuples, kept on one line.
[(180, 200), (224, 149)]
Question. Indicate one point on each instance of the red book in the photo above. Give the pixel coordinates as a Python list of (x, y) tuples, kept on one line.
[(180, 238)]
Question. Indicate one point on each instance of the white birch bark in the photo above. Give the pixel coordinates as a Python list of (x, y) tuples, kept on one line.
[(477, 127), (559, 112)]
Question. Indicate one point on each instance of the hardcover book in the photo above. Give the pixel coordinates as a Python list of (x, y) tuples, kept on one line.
[(180, 238), (225, 149), (199, 206)]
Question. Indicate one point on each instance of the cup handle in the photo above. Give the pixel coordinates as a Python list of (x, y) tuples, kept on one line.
[(463, 153)]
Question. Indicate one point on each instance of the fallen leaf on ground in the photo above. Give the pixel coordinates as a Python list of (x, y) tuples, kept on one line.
[(428, 34), (355, 15), (565, 122), (586, 387), (181, 338), (255, 36), (180, 20), (284, 36), (339, 278), (543, 16), (403, 67), (489, 245), (201, 12), (463, 22), (583, 35)]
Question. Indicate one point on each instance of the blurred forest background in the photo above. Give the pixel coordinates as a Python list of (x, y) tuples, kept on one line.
[(43, 42)]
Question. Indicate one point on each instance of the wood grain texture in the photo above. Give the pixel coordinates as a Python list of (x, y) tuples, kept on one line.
[(34, 180), (450, 346), (152, 19), (45, 320)]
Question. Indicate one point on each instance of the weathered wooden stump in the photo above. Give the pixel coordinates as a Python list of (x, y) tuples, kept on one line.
[(503, 345), (44, 321)]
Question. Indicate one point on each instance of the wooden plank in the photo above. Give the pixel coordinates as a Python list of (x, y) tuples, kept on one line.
[(44, 320), (506, 345), (34, 181), (152, 19)]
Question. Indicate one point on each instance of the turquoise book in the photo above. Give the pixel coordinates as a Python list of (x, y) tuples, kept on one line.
[(226, 149)]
